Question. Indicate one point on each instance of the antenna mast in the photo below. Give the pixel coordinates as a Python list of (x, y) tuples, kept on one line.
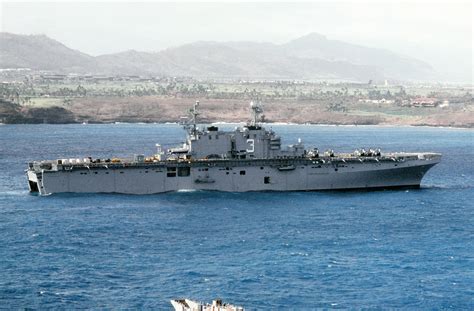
[(195, 113), (257, 110)]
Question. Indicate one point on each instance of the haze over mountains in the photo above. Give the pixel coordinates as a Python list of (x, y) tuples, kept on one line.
[(311, 57)]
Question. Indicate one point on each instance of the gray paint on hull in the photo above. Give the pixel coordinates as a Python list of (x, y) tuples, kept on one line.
[(304, 177)]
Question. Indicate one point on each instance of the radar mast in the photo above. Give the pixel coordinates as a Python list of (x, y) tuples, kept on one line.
[(257, 110), (191, 125)]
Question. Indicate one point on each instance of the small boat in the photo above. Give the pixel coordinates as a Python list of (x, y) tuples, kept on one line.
[(204, 180), (286, 168), (190, 305)]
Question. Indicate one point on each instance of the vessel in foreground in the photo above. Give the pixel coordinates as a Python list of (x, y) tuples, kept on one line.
[(190, 305), (249, 158)]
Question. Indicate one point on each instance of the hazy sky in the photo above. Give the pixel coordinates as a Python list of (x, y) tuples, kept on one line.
[(439, 32)]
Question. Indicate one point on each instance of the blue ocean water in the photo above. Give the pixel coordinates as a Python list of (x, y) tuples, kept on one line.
[(301, 250)]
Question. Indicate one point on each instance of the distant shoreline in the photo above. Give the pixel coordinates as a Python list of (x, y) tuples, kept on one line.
[(470, 127)]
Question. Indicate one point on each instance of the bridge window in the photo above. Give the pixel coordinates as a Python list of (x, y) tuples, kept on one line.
[(171, 171), (184, 171)]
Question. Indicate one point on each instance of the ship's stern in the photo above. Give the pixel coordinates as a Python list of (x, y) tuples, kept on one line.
[(32, 180), (34, 174)]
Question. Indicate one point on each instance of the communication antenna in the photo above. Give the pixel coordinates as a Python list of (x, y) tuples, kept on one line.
[(257, 110), (195, 113), (190, 124)]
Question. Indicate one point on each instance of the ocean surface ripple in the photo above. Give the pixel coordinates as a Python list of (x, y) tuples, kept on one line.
[(410, 249)]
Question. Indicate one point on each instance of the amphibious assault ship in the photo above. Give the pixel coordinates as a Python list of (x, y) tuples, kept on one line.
[(249, 158)]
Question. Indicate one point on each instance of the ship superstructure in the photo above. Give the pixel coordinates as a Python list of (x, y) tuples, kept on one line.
[(249, 158)]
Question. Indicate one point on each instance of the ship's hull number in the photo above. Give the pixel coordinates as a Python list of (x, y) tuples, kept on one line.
[(251, 147)]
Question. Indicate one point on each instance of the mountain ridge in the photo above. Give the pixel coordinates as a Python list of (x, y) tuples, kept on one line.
[(311, 57)]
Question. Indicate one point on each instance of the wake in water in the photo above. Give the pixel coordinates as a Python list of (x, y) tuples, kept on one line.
[(415, 242), (16, 193), (447, 186)]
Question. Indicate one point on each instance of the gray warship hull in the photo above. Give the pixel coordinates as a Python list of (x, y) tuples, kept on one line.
[(240, 175), (250, 158)]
